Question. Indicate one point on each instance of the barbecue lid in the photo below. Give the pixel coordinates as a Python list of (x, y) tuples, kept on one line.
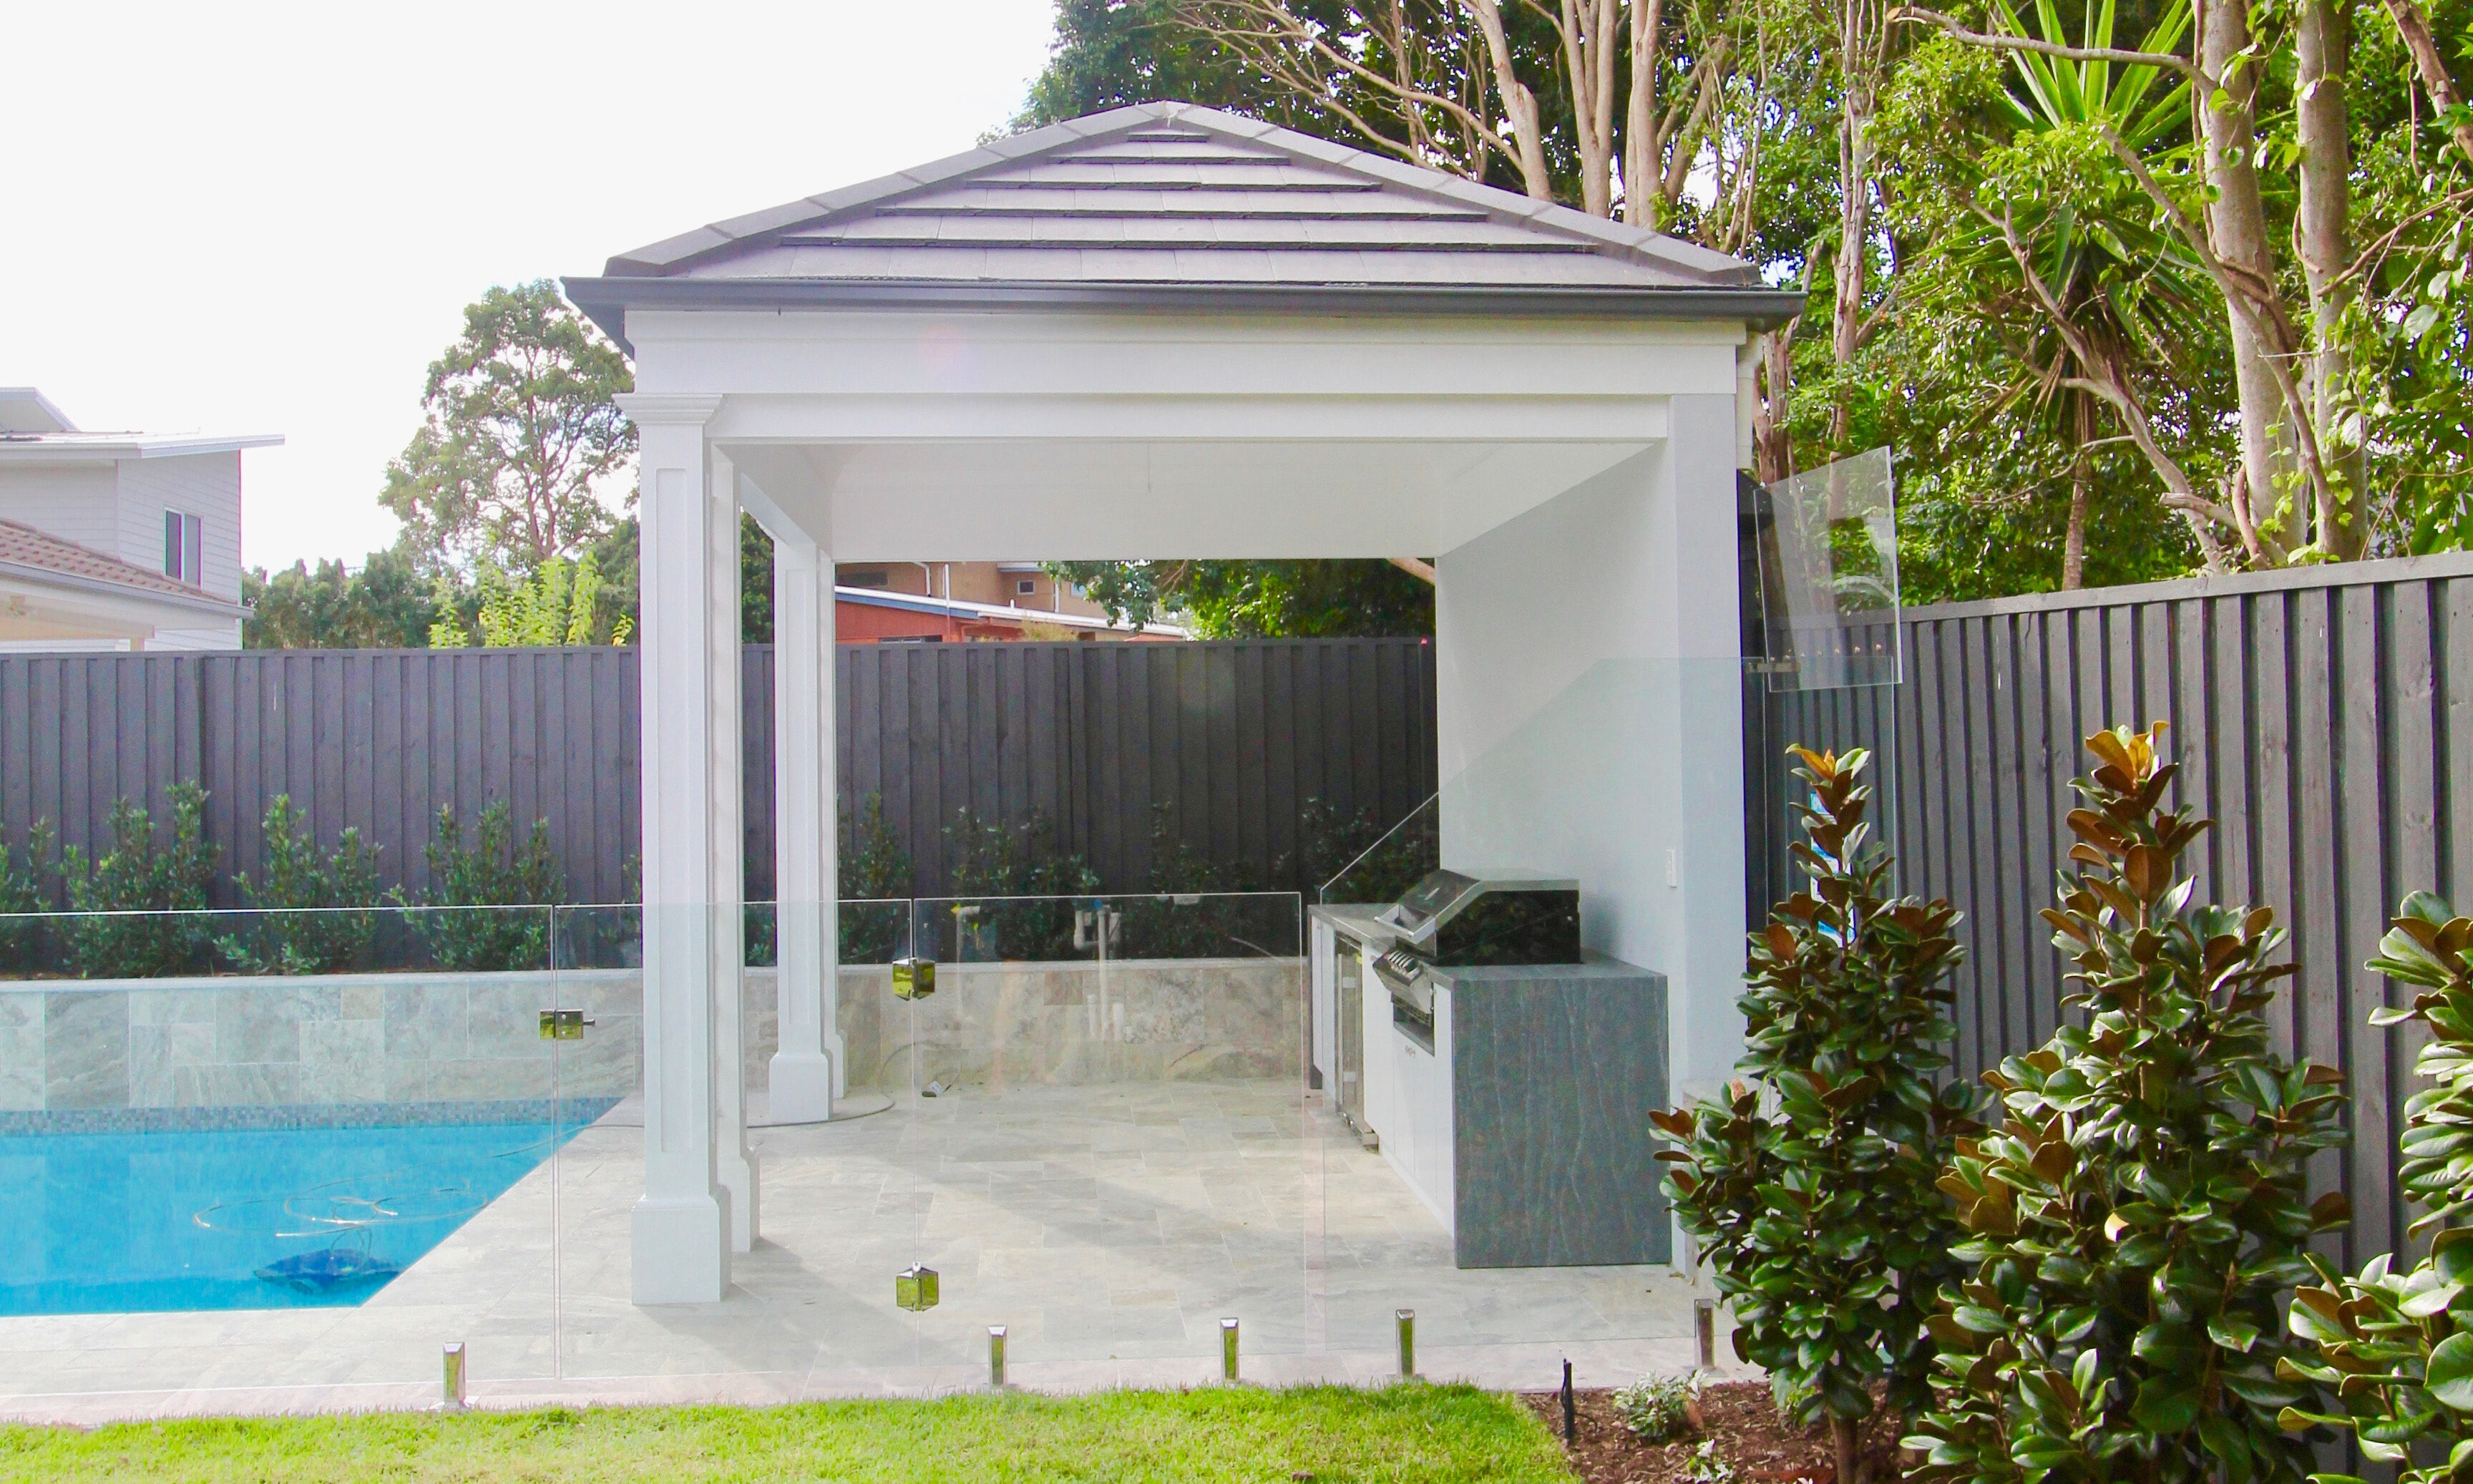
[(1442, 893)]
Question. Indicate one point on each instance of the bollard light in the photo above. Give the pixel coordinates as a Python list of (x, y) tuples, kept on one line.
[(1408, 1318), (454, 1401), (1704, 1324), (1228, 1348), (995, 1355)]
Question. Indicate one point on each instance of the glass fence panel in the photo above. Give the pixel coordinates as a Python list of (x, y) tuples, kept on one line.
[(1114, 1145), (311, 1147), (822, 1203), (1393, 862)]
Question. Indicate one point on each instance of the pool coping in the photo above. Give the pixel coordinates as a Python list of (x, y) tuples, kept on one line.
[(242, 1116)]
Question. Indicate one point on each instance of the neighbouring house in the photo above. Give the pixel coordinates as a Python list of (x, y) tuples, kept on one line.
[(951, 602), (116, 540), (1023, 585)]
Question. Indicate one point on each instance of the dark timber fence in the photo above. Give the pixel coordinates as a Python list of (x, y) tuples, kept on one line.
[(2324, 718), (1233, 736)]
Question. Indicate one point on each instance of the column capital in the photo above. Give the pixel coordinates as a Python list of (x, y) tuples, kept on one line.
[(666, 409)]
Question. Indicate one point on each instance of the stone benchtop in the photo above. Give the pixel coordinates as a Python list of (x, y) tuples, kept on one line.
[(1597, 968)]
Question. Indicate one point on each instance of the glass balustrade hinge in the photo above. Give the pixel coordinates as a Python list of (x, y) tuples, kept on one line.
[(563, 1024)]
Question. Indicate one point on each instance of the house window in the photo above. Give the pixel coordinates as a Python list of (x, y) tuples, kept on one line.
[(183, 558), (868, 579), (1026, 586)]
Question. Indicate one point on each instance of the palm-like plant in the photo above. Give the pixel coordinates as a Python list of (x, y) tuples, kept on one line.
[(2048, 233)]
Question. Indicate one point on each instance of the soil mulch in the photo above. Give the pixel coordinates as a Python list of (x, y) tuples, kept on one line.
[(1741, 1419)]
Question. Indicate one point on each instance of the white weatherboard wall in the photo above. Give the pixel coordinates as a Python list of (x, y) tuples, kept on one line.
[(76, 503), (1588, 708), (204, 485)]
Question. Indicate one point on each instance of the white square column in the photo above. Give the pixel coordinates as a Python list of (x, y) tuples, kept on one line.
[(808, 1070), (682, 1226), (737, 1168)]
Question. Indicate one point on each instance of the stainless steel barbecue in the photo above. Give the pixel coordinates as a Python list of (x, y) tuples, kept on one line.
[(1460, 919)]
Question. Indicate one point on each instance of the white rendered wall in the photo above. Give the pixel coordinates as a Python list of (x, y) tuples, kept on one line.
[(1588, 706)]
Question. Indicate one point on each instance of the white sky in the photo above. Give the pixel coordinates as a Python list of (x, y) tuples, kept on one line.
[(268, 218)]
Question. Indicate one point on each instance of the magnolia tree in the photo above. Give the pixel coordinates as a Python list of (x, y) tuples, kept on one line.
[(2136, 1215), (2396, 1348), (1808, 1187)]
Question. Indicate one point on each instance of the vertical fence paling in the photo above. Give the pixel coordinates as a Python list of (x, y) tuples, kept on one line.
[(1236, 735), (2322, 718)]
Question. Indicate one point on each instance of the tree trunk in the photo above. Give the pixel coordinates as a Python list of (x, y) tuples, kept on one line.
[(2414, 27), (2081, 490), (1640, 172), (1527, 136), (1858, 51), (1844, 1435), (1772, 451), (2237, 231), (2324, 231)]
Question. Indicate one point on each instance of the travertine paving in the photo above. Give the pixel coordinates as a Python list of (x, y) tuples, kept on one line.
[(1108, 1228)]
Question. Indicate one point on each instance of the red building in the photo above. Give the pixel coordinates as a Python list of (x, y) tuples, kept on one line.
[(879, 615)]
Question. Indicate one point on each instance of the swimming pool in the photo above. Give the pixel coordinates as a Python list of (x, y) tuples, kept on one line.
[(242, 1218)]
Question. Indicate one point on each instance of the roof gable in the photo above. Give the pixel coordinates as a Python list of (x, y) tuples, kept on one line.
[(1161, 197)]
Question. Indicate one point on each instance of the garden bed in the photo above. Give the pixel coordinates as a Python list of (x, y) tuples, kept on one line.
[(1738, 1418)]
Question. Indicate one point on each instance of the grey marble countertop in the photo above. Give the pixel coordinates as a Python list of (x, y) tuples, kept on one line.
[(1597, 967)]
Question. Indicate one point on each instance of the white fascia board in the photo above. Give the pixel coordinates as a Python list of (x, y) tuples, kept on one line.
[(1056, 354), (75, 450)]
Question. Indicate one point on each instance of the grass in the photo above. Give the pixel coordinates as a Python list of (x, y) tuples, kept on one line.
[(1403, 1433)]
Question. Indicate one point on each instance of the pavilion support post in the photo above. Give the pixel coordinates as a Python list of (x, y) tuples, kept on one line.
[(1692, 509), (809, 1069), (736, 1162), (682, 1226)]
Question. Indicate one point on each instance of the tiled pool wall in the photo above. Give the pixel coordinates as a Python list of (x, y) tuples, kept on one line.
[(314, 1041), (440, 1041), (1066, 1024)]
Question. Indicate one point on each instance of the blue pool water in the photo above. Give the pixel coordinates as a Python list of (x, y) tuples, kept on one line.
[(242, 1218)]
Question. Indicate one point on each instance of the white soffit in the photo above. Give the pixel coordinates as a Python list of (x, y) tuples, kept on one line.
[(1096, 500)]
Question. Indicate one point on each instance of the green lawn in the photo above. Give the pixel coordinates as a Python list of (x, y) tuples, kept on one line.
[(1414, 1432)]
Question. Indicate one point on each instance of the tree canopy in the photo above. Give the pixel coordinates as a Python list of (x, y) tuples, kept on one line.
[(2129, 295), (519, 435), (1227, 600)]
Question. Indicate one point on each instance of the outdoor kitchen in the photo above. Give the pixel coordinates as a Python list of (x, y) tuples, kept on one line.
[(1504, 1072)]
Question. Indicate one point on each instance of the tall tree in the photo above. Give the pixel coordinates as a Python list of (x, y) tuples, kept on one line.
[(2035, 225), (385, 605), (2260, 211), (519, 440)]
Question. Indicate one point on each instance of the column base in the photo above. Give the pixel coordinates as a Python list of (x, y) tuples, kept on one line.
[(682, 1250), (739, 1175), (801, 1084)]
